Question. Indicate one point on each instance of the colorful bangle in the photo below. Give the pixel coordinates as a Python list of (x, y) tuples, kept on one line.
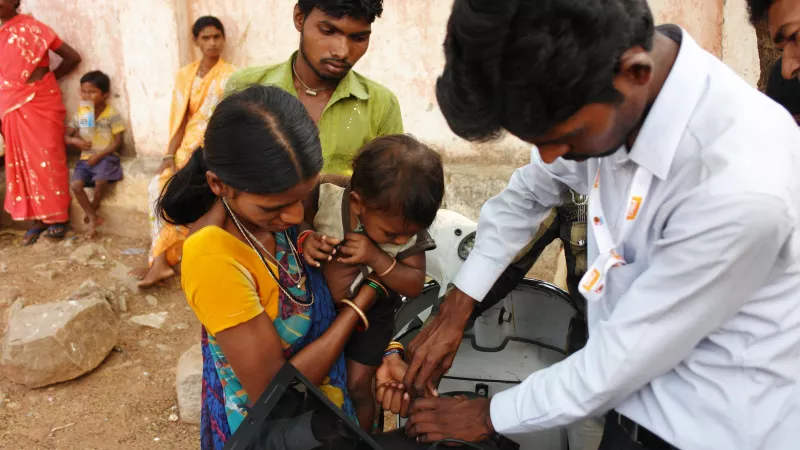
[(302, 239), (391, 268), (378, 287), (358, 312), (395, 351)]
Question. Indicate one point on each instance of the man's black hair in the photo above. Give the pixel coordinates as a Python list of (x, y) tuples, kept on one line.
[(207, 21), (783, 91), (526, 65), (368, 10), (98, 79), (758, 9)]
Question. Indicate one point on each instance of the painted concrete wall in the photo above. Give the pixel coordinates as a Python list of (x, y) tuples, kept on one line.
[(142, 43)]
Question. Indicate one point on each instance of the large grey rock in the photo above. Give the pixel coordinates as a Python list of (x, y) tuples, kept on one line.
[(51, 343), (189, 384)]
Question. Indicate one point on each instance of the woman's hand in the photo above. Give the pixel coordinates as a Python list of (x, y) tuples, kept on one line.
[(318, 247), (360, 250), (166, 164)]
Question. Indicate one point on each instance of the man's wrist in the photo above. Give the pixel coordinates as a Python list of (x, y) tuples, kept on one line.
[(487, 418), (457, 308)]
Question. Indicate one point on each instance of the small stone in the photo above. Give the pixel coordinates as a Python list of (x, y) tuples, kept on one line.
[(164, 348), (144, 343), (86, 252), (121, 273), (151, 320), (3, 268), (88, 284), (122, 303), (12, 405), (151, 300), (189, 380), (68, 243), (47, 274), (180, 326), (173, 417), (2, 396)]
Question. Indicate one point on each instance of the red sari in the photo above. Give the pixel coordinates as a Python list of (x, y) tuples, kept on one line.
[(32, 117)]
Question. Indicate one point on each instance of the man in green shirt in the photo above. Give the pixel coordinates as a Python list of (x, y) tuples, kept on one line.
[(349, 109)]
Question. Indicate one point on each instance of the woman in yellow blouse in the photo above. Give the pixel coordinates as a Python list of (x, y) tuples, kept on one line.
[(259, 304)]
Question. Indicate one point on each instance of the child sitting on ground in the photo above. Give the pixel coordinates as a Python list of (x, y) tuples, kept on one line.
[(99, 164), (370, 234)]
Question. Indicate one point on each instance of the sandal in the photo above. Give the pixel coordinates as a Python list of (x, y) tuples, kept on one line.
[(56, 231), (32, 235)]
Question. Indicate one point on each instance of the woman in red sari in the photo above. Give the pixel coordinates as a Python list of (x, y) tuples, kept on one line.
[(32, 120)]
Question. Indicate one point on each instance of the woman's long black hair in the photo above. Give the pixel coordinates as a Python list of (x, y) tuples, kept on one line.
[(260, 140)]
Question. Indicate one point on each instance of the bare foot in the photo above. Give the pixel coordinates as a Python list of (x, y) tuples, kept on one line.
[(93, 225), (155, 275), (139, 273)]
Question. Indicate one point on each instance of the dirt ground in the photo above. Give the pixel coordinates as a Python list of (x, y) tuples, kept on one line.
[(127, 401)]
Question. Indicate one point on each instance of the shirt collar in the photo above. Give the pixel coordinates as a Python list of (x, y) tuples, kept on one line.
[(666, 123), (350, 85)]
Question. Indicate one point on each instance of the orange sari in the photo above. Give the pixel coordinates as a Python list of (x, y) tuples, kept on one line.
[(32, 116), (197, 98)]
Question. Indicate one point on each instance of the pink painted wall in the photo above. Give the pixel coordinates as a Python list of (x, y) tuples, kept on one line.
[(142, 43)]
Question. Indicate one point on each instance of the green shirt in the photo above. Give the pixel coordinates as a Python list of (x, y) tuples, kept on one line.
[(359, 111)]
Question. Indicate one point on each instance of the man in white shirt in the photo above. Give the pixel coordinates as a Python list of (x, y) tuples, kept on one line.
[(693, 286)]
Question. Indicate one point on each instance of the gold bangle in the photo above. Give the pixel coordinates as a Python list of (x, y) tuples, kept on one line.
[(394, 345), (391, 268), (166, 157), (358, 312)]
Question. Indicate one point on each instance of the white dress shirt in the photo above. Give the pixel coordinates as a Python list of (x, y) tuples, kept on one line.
[(697, 338)]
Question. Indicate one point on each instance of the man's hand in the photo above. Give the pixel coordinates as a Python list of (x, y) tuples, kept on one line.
[(166, 164), (434, 419), (360, 250), (318, 247), (95, 159), (433, 350)]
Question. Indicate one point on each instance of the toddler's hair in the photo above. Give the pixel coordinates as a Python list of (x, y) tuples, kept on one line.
[(397, 174), (98, 79)]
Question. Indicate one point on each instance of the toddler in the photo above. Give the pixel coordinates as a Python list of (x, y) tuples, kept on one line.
[(370, 234)]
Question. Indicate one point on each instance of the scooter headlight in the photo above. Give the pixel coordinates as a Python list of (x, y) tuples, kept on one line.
[(465, 247)]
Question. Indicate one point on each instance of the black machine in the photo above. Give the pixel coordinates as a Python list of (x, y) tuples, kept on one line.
[(293, 414)]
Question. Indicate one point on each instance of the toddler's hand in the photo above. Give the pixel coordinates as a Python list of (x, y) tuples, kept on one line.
[(318, 247), (360, 250), (390, 392)]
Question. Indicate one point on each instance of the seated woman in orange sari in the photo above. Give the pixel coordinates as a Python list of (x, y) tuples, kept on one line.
[(198, 88), (32, 122)]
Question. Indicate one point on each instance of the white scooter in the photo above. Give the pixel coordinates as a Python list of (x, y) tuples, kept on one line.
[(524, 332)]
